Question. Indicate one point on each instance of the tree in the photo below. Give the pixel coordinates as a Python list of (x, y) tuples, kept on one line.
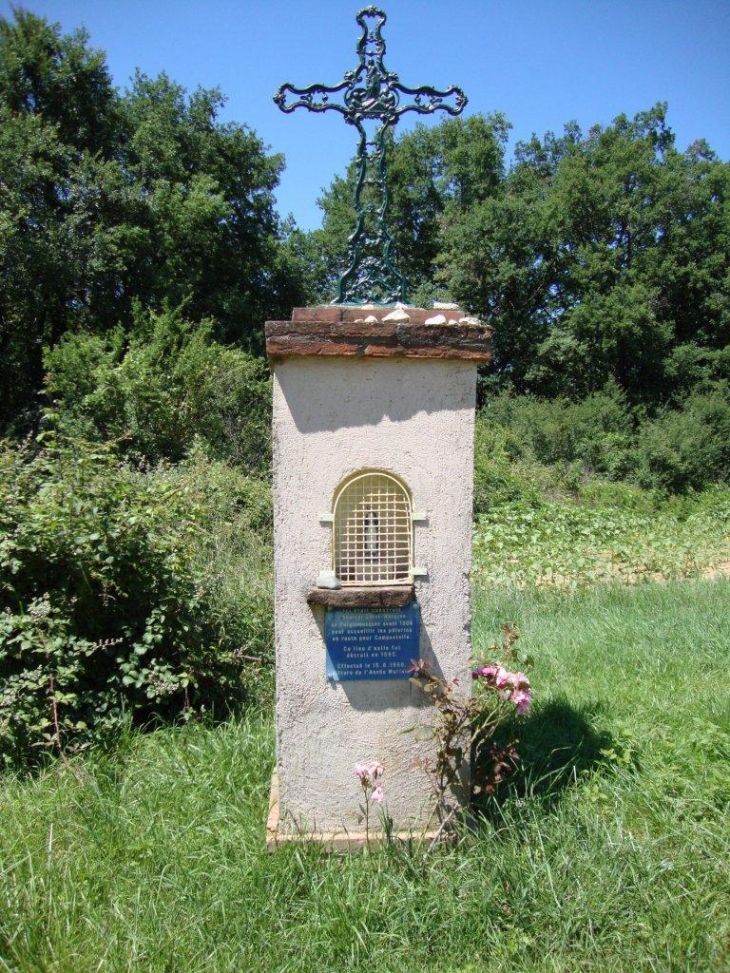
[(600, 258), (457, 163), (57, 112), (212, 228), (108, 200)]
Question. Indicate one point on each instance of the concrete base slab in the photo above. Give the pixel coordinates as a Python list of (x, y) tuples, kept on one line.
[(334, 842)]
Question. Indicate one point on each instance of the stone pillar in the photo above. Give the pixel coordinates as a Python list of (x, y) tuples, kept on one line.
[(367, 389)]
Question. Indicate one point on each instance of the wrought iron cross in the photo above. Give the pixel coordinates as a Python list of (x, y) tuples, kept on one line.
[(370, 98)]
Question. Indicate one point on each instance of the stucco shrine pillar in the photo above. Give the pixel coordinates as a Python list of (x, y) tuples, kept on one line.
[(373, 432)]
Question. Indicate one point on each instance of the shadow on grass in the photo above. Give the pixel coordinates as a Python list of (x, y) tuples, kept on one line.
[(559, 745)]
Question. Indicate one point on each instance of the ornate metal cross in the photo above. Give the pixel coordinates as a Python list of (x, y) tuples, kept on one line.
[(370, 99)]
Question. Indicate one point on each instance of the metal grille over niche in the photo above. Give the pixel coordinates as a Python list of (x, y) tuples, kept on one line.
[(373, 531)]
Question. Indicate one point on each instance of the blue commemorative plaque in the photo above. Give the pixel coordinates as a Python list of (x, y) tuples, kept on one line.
[(371, 643)]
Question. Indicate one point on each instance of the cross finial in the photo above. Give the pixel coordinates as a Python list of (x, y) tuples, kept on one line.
[(372, 99)]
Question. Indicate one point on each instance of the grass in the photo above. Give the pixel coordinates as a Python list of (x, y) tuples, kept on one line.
[(611, 854)]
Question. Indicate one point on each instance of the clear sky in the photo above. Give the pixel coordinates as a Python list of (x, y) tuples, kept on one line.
[(540, 62)]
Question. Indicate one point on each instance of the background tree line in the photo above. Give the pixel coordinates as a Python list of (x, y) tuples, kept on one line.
[(600, 258)]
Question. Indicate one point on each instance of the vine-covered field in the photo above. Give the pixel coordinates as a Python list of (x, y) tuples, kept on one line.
[(570, 545)]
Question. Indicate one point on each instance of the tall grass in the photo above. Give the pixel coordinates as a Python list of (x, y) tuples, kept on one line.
[(610, 854)]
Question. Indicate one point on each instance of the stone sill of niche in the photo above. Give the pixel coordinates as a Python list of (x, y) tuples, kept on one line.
[(391, 596)]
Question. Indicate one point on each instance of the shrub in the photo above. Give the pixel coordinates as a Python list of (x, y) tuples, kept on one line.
[(595, 432), (169, 386), (688, 448), (233, 557), (108, 607), (497, 479)]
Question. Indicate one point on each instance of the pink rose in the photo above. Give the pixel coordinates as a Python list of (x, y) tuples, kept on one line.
[(522, 699), (502, 678), (485, 672)]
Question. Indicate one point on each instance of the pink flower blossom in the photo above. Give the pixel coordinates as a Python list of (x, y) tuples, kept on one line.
[(369, 773), (522, 699), (502, 678), (520, 681), (485, 672), (378, 794)]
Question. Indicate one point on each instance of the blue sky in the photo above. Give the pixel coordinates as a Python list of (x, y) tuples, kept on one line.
[(540, 62)]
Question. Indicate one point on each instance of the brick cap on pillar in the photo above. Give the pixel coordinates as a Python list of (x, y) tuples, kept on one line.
[(369, 331)]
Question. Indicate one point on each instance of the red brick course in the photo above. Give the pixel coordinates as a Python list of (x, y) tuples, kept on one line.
[(335, 331)]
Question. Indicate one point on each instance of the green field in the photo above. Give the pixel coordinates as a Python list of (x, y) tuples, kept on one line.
[(611, 853)]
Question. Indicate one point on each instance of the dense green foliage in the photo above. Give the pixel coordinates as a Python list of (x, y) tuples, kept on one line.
[(673, 450), (688, 448), (112, 608), (602, 536), (109, 199), (544, 517), (597, 258), (430, 171), (611, 855), (160, 390), (605, 256)]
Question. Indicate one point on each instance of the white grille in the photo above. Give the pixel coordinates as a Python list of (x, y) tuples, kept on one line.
[(373, 531)]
